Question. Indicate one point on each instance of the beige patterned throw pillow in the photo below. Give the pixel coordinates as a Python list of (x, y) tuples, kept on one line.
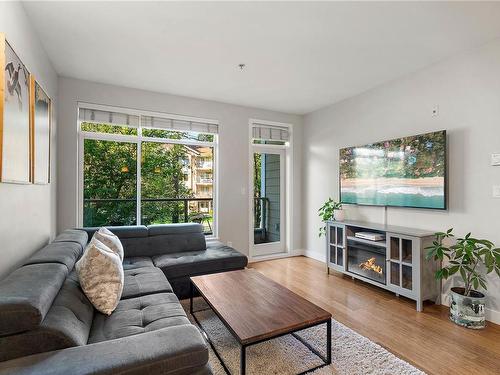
[(111, 240), (100, 271)]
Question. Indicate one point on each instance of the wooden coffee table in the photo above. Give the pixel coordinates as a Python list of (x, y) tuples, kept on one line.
[(255, 309)]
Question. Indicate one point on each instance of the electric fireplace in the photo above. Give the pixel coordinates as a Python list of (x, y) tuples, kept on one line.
[(367, 260), (395, 264)]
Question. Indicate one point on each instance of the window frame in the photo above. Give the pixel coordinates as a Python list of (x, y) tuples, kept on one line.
[(138, 140)]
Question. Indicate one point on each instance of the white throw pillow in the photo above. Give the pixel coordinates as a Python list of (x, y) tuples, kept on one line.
[(111, 240), (100, 271)]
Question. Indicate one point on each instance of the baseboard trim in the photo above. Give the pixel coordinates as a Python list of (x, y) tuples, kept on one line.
[(261, 258), (315, 255), (492, 316)]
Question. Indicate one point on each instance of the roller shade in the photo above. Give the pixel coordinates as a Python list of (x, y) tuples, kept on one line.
[(270, 132), (107, 117), (179, 125)]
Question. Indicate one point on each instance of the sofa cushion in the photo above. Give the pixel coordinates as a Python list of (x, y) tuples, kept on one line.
[(71, 313), (137, 262), (28, 292), (216, 258), (138, 315), (66, 253), (143, 281), (101, 276), (73, 235), (179, 350), (126, 231), (140, 241), (181, 228), (174, 243), (66, 324)]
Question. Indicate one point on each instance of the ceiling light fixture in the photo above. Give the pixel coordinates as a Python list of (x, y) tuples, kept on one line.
[(241, 66)]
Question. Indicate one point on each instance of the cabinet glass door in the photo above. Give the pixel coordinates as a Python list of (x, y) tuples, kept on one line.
[(400, 260), (332, 254), (336, 245)]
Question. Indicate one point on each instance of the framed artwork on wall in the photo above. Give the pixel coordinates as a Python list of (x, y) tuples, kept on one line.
[(15, 155), (41, 112)]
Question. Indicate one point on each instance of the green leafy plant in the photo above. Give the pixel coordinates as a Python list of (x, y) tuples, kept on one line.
[(326, 213), (465, 258)]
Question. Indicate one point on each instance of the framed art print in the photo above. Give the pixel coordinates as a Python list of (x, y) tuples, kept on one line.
[(40, 128), (14, 117)]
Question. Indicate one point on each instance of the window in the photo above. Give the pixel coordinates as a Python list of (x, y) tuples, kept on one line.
[(138, 169)]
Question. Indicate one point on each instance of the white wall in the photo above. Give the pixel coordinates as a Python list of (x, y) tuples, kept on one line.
[(27, 212), (233, 150), (467, 90)]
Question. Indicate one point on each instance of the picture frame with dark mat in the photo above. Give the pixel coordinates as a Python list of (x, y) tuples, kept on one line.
[(41, 112), (15, 146)]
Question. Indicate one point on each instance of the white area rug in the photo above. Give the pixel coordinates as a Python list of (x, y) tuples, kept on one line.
[(352, 354)]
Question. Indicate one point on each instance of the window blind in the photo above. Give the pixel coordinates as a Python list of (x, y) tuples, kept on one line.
[(270, 132), (107, 117), (179, 125)]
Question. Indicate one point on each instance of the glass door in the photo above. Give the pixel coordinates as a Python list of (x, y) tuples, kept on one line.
[(268, 201)]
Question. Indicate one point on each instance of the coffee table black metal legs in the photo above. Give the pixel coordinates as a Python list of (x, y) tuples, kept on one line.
[(327, 360), (243, 359)]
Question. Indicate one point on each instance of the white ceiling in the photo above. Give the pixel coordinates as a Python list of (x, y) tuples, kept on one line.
[(299, 56)]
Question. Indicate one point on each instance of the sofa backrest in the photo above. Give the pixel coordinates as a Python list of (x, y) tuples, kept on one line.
[(158, 239), (175, 238), (66, 253), (26, 296), (42, 307), (66, 324)]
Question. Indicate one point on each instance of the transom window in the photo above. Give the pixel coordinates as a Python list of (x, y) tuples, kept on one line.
[(141, 168)]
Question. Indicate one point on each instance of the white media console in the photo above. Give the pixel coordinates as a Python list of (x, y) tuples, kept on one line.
[(397, 263)]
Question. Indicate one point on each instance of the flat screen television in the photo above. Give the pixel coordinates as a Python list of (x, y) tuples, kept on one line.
[(402, 172)]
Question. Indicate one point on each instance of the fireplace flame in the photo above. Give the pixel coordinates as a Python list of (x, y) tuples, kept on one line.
[(370, 265)]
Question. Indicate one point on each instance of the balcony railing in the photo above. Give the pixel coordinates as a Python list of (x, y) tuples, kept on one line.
[(204, 165), (123, 211), (204, 180), (260, 219)]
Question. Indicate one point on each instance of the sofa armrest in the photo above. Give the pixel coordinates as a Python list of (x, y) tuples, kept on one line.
[(178, 349)]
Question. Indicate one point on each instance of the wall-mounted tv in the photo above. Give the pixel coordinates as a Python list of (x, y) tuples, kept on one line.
[(403, 172)]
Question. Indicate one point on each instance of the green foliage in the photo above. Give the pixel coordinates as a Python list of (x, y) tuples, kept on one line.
[(326, 213), (162, 177), (172, 134), (110, 177), (107, 128), (257, 180), (110, 170), (464, 258)]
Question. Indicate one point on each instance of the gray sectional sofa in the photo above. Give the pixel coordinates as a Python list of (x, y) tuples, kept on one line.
[(48, 326)]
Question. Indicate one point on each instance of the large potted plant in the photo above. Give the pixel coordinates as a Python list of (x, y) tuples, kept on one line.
[(331, 210), (470, 259)]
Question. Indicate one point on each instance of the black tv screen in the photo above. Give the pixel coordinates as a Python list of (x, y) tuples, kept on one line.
[(403, 172)]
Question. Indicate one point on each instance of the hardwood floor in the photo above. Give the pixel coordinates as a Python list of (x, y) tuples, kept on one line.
[(428, 340)]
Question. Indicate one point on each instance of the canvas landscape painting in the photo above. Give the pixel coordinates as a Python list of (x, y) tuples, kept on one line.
[(405, 172), (15, 112)]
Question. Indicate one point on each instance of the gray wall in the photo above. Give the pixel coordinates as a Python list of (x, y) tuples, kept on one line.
[(467, 90), (27, 219), (233, 156)]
